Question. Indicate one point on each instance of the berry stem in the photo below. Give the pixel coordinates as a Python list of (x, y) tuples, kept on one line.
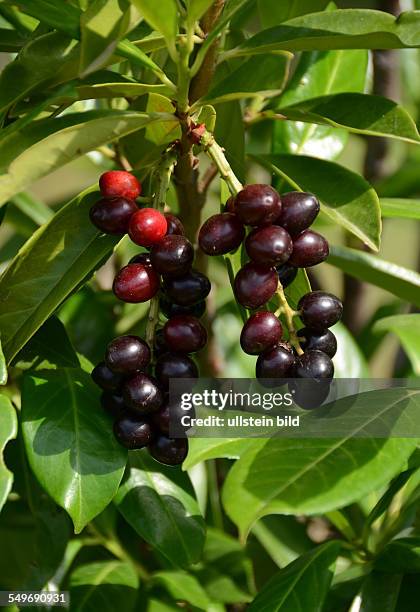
[(289, 313), (215, 152), (163, 173)]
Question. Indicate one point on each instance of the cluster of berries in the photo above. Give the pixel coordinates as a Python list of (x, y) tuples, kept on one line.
[(279, 243), (135, 390)]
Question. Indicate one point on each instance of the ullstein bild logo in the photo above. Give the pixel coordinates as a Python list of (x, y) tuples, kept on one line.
[(239, 421)]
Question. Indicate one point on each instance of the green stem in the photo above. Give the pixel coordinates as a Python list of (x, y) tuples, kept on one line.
[(216, 153), (214, 498), (289, 313)]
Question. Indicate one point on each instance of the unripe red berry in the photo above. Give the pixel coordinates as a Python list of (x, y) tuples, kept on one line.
[(119, 183), (136, 283), (147, 227)]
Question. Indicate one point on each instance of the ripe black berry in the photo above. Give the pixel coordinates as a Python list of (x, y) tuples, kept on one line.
[(184, 334), (187, 290), (113, 216), (142, 394), (221, 234), (106, 378), (230, 204), (172, 256), (314, 364), (298, 211), (255, 284), (127, 354), (262, 331), (169, 451), (309, 249), (287, 274), (319, 310), (136, 283), (169, 309), (270, 245), (257, 205), (321, 340), (171, 414), (310, 393), (277, 362), (160, 344), (174, 225), (133, 432), (174, 365), (141, 258), (113, 403)]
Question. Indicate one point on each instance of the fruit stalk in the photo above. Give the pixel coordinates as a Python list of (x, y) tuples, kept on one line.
[(288, 313)]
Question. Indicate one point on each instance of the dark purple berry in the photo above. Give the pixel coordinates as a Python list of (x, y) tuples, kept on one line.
[(287, 274), (320, 310), (174, 365), (133, 432), (255, 284), (187, 290), (184, 334), (276, 362), (321, 340), (106, 378), (172, 256), (309, 249), (127, 354), (174, 225), (169, 451), (160, 344), (230, 205), (113, 404), (142, 394), (113, 216), (298, 211), (136, 283), (257, 205), (314, 364), (221, 234), (169, 309), (141, 258), (262, 331), (269, 245)]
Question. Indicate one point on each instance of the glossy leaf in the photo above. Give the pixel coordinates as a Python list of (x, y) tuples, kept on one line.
[(47, 144), (358, 113), (10, 41), (159, 503), (107, 84), (69, 442), (196, 9), (302, 585), (282, 537), (33, 208), (273, 12), (407, 328), (349, 361), (318, 73), (161, 132), (380, 592), (184, 587), (345, 196), (399, 281), (8, 431), (399, 207), (105, 585), (401, 556), (202, 449), (3, 367), (261, 76), (343, 29), (162, 16), (58, 258)]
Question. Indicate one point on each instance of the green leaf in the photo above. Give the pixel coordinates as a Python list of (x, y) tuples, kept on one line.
[(283, 538), (385, 501), (321, 477), (33, 208), (349, 361), (318, 73), (162, 16), (302, 585), (230, 134), (47, 144), (401, 556), (184, 587), (69, 442), (273, 12), (260, 76), (202, 449), (3, 367), (345, 197), (343, 29), (159, 503), (104, 585), (8, 431), (161, 132), (196, 9), (399, 207), (407, 328), (358, 113), (380, 592), (58, 258), (108, 84), (10, 41), (399, 281)]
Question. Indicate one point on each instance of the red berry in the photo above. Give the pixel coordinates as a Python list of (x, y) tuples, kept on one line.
[(136, 283), (113, 216), (262, 331), (119, 183), (172, 256), (270, 245), (309, 249), (147, 227), (255, 284), (184, 334), (258, 205), (221, 234), (174, 225)]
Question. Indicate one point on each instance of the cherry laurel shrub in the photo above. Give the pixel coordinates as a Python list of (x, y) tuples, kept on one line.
[(223, 228)]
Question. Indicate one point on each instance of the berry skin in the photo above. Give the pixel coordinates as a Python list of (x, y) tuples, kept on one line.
[(269, 245), (221, 234), (119, 183), (287, 274), (187, 290), (184, 334), (255, 284), (136, 283), (323, 340), (174, 365), (106, 378), (142, 394), (142, 258), (230, 204), (298, 211), (310, 393), (309, 249), (258, 205), (169, 309), (127, 354), (315, 364), (277, 362), (171, 411), (174, 225), (169, 451), (262, 331), (320, 310), (160, 344), (113, 404), (113, 216), (172, 256), (132, 432), (147, 227)]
